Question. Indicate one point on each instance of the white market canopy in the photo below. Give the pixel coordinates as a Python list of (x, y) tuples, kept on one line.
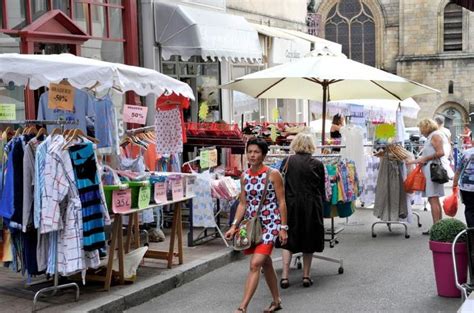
[(37, 70)]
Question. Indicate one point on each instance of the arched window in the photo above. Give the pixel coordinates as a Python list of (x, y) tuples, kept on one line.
[(351, 23), (452, 33)]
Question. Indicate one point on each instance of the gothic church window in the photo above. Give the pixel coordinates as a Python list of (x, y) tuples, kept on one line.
[(351, 24), (452, 34)]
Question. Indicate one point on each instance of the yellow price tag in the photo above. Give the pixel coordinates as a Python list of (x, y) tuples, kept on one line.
[(7, 112), (385, 131), (61, 96), (204, 159), (213, 158)]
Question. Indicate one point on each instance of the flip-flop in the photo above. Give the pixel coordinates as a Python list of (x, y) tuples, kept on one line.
[(284, 283)]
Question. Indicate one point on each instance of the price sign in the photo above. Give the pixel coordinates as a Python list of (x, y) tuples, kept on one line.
[(177, 189), (144, 197), (190, 182), (61, 96), (134, 114), (204, 159), (121, 200), (7, 112), (385, 131), (160, 192), (213, 158)]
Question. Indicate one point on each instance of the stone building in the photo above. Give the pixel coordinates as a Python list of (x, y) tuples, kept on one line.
[(431, 42)]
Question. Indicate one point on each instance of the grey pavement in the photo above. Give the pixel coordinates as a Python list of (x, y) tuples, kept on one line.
[(384, 274)]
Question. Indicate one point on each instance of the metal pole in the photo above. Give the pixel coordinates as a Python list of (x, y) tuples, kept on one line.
[(325, 90)]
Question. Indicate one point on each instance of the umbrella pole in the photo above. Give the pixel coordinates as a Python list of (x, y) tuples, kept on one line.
[(325, 90)]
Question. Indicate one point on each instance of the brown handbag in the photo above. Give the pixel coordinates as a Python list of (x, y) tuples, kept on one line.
[(249, 233)]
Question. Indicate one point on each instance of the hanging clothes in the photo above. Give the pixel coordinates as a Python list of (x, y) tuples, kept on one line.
[(172, 101), (88, 185), (203, 205), (105, 125), (353, 139), (168, 132), (369, 181), (390, 197)]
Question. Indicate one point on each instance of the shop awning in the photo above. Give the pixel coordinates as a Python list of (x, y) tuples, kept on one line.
[(319, 43), (468, 4), (189, 31)]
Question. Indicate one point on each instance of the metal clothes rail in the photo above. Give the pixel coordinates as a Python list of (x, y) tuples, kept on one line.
[(56, 286)]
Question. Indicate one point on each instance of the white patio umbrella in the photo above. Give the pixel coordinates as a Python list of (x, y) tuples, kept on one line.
[(317, 125), (324, 76), (37, 70)]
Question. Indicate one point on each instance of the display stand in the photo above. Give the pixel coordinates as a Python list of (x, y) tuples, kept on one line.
[(56, 286), (133, 233)]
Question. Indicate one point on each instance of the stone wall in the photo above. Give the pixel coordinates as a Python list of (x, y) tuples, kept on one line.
[(290, 14)]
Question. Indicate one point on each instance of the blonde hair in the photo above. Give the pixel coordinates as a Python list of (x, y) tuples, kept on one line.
[(427, 126), (303, 143)]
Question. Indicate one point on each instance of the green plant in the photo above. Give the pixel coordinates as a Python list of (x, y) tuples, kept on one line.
[(446, 230)]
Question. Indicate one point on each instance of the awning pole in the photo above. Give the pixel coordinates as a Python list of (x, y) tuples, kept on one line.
[(325, 85)]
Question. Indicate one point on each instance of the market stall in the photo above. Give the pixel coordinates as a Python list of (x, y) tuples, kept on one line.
[(54, 209)]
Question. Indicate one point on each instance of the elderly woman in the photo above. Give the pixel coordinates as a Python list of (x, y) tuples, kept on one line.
[(436, 147), (272, 217), (304, 190)]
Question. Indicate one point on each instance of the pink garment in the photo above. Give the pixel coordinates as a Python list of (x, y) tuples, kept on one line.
[(168, 132)]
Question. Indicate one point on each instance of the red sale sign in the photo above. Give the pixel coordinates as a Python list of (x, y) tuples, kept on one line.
[(134, 114)]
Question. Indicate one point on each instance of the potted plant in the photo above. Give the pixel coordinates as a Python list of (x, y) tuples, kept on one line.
[(442, 235)]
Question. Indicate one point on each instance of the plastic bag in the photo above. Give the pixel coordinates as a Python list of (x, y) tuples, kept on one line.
[(450, 203), (415, 181)]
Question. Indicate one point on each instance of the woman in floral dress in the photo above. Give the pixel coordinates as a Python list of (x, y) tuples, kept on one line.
[(272, 218)]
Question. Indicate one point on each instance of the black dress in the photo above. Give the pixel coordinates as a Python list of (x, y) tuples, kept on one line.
[(304, 189), (335, 135)]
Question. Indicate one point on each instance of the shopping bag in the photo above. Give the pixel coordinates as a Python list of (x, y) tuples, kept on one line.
[(415, 181), (450, 203)]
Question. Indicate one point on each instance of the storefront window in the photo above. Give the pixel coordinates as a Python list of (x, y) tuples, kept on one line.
[(203, 77), (110, 51), (115, 20), (10, 94), (16, 11), (38, 8), (62, 5), (80, 15), (98, 21), (244, 106)]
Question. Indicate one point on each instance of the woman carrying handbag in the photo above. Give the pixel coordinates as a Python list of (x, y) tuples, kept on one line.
[(272, 216), (435, 163)]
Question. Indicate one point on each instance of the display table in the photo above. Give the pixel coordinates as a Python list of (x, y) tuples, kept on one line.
[(133, 232)]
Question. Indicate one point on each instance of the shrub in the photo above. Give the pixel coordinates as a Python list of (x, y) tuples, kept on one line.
[(446, 230)]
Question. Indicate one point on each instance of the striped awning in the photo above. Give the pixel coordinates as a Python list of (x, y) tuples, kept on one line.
[(468, 4)]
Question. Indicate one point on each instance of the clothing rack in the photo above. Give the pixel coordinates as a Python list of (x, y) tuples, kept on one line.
[(56, 286), (139, 130)]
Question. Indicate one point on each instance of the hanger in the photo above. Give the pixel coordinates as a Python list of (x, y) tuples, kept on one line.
[(41, 132), (17, 132), (56, 131), (77, 134)]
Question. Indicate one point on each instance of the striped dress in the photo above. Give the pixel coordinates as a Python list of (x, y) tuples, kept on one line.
[(88, 184)]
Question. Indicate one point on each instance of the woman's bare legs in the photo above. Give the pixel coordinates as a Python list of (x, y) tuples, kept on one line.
[(256, 263), (286, 259), (436, 212)]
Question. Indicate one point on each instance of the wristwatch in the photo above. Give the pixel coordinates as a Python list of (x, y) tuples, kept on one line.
[(284, 227)]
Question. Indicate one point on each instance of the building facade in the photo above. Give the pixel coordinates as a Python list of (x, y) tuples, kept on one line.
[(428, 41), (105, 30)]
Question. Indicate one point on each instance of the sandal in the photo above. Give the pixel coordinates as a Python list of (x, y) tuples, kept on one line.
[(273, 307), (284, 283), (241, 310), (307, 282)]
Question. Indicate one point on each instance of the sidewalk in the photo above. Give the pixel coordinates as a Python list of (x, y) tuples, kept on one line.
[(153, 279)]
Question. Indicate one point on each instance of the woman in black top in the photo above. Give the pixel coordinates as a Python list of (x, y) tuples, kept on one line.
[(337, 123), (304, 189)]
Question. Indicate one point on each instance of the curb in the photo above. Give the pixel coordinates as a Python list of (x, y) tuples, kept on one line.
[(147, 289)]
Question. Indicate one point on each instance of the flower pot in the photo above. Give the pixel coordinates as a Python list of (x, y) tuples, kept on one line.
[(443, 266)]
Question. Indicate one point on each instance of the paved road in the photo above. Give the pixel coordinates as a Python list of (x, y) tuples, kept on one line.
[(384, 274)]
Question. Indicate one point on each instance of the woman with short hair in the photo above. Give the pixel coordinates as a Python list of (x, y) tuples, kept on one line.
[(272, 216), (304, 190)]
